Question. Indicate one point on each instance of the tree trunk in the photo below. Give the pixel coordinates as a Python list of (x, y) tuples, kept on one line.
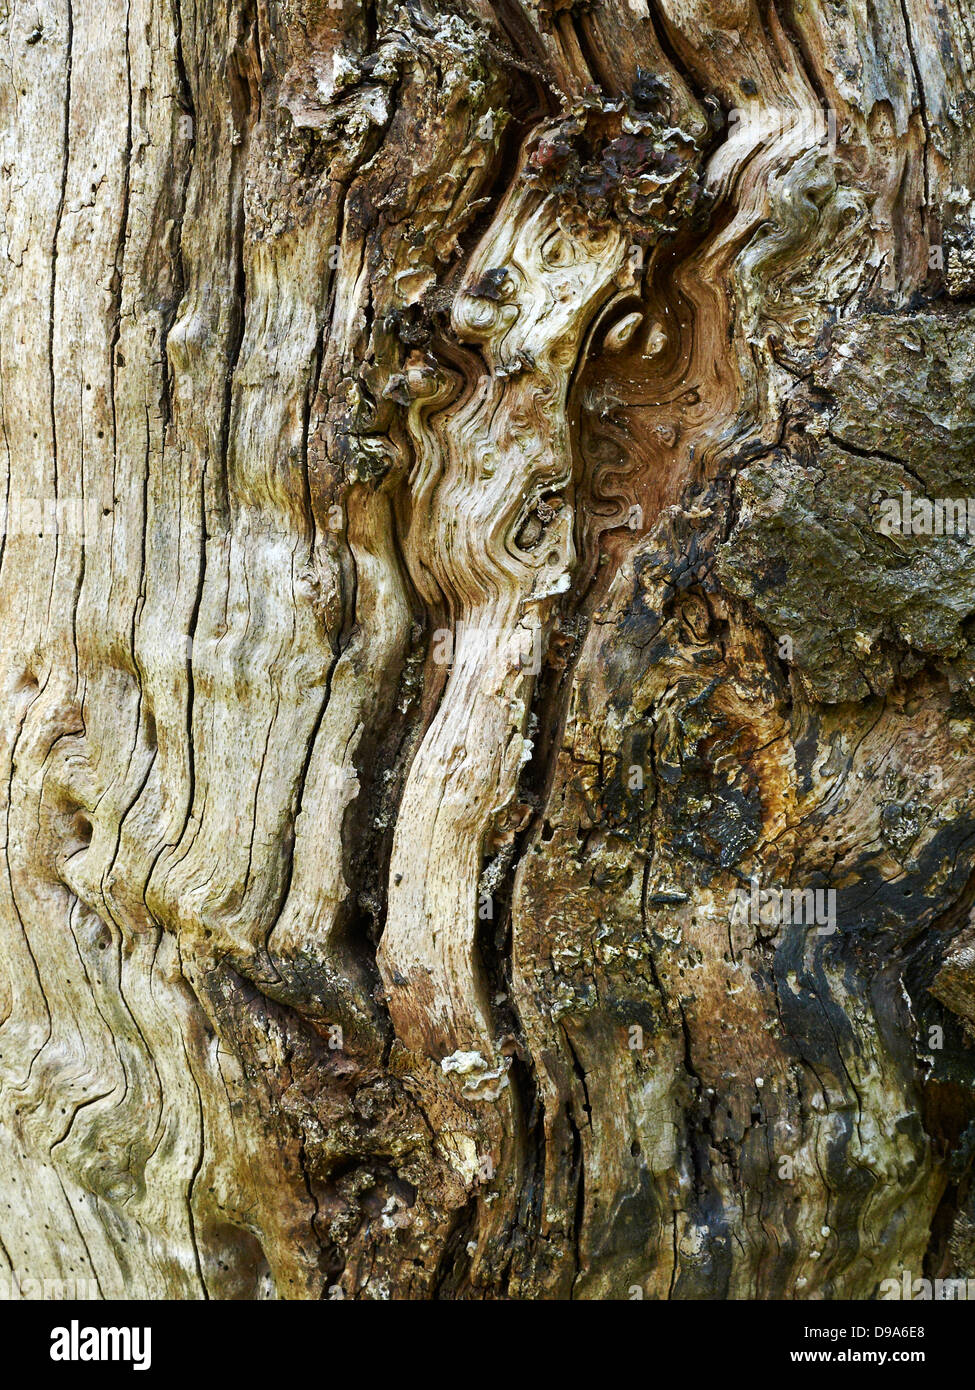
[(449, 598)]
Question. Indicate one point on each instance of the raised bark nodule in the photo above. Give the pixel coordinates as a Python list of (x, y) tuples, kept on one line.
[(487, 620)]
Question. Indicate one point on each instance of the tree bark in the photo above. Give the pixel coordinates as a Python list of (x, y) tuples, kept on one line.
[(445, 601)]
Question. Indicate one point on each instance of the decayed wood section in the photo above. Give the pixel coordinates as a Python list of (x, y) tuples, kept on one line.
[(442, 576)]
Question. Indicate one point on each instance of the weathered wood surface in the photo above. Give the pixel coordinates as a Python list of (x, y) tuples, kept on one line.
[(579, 344)]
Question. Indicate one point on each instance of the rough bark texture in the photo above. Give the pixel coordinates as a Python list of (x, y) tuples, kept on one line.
[(444, 446)]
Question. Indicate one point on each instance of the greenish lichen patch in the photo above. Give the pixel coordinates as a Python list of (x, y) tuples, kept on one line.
[(904, 385), (890, 419)]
